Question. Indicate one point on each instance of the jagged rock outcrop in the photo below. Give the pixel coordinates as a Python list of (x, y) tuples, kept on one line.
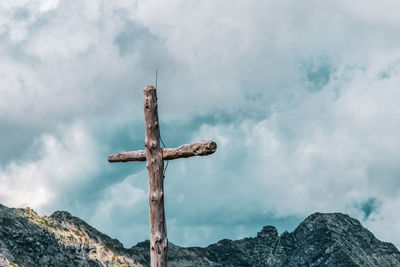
[(322, 239), (332, 239), (27, 239)]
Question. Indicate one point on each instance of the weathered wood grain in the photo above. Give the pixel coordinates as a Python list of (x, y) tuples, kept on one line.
[(155, 157), (138, 155), (202, 148), (155, 167)]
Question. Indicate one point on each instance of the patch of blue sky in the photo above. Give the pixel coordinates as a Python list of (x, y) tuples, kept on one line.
[(317, 72), (369, 206)]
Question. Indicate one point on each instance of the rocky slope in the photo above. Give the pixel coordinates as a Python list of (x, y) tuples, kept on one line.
[(27, 239), (333, 239)]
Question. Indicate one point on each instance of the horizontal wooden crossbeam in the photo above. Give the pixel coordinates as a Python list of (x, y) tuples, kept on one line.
[(202, 148)]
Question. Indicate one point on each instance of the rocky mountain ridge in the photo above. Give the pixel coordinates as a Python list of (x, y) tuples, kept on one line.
[(322, 239)]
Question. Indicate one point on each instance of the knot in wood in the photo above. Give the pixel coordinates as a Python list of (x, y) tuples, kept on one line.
[(212, 146), (159, 242), (147, 102), (204, 148), (153, 144), (157, 236), (157, 196)]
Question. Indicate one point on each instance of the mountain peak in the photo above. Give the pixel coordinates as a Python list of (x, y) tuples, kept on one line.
[(332, 221), (322, 239), (27, 239), (63, 215), (336, 217), (268, 232)]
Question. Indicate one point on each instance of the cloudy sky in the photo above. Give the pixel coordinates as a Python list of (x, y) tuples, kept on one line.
[(302, 98)]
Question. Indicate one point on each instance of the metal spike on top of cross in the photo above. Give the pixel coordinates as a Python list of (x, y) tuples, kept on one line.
[(155, 156)]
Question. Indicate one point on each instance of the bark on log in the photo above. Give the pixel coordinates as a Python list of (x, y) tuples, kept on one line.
[(155, 166), (138, 155), (202, 148)]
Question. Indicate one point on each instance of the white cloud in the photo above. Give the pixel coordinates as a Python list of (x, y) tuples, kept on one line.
[(120, 210), (331, 151), (120, 195), (324, 148), (215, 52), (60, 61), (62, 164)]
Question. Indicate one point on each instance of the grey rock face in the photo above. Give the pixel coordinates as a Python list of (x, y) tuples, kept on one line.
[(27, 239), (330, 239)]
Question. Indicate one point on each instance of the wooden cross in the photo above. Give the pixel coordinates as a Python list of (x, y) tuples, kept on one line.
[(155, 156)]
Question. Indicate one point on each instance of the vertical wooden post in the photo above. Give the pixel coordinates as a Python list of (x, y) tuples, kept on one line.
[(155, 167)]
